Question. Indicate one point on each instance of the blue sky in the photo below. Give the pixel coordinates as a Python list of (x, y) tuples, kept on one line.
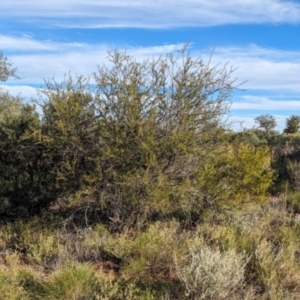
[(260, 37)]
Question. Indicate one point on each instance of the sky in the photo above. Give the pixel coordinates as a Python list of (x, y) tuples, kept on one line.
[(261, 38)]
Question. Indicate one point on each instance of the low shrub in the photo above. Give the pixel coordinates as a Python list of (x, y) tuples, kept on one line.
[(211, 274)]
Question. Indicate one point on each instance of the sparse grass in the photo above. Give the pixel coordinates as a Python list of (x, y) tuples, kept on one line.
[(72, 281), (250, 253)]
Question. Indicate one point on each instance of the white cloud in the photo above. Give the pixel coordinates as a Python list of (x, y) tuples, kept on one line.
[(150, 13), (24, 91), (263, 69), (83, 60), (27, 43), (262, 103)]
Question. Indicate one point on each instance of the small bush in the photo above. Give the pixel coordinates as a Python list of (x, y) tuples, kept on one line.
[(210, 274), (149, 256), (17, 280), (75, 281), (293, 201)]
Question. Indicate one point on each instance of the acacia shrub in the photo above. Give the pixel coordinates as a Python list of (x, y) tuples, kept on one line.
[(25, 181), (159, 119), (148, 139), (240, 172), (69, 127)]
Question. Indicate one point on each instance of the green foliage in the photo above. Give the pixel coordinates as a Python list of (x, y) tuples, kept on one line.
[(70, 282), (159, 118), (69, 133), (237, 173), (149, 256), (153, 184), (248, 136), (280, 284), (266, 122), (80, 282), (134, 144), (292, 124), (10, 105), (293, 201), (40, 246), (249, 252), (6, 69), (249, 168), (146, 142), (285, 162), (25, 183)]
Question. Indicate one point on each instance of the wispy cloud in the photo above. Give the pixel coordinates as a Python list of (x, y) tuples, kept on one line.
[(79, 59), (25, 91), (250, 102), (27, 43), (274, 71), (150, 14), (263, 69)]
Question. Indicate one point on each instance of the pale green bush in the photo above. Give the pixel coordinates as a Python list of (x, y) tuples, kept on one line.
[(211, 274)]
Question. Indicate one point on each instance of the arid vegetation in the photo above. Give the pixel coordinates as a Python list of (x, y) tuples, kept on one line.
[(131, 185)]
